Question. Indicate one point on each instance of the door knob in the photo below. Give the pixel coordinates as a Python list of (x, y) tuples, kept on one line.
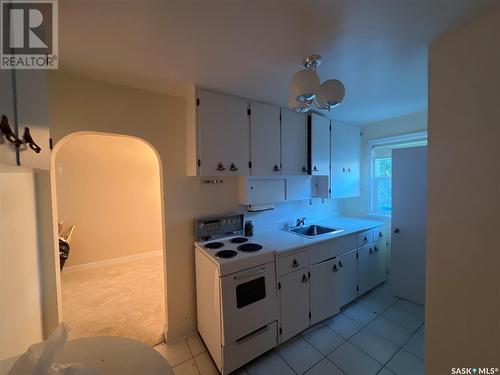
[(396, 230)]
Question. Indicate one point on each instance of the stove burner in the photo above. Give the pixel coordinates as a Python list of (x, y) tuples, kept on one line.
[(214, 245), (226, 254), (250, 247), (239, 240)]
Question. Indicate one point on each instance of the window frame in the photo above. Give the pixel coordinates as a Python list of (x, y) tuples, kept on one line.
[(381, 142)]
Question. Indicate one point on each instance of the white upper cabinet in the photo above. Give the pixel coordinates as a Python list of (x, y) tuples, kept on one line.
[(7, 149), (265, 143), (33, 118), (223, 135), (345, 156), (320, 145), (293, 143)]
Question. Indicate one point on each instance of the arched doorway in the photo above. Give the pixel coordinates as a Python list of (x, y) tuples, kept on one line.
[(108, 190)]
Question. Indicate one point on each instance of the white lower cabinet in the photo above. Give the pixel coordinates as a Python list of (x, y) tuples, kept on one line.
[(347, 279), (371, 265), (293, 290), (323, 290)]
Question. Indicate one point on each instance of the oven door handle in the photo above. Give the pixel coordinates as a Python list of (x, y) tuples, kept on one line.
[(241, 277)]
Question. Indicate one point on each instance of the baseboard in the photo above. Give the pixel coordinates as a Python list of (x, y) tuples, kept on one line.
[(108, 262), (171, 340)]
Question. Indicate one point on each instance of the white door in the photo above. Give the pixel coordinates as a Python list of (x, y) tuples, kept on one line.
[(323, 290), (293, 143), (294, 303), (347, 279), (7, 149), (409, 213), (265, 142), (320, 145), (223, 135), (345, 160), (33, 114)]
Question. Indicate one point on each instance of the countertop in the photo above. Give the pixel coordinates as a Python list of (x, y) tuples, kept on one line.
[(282, 241)]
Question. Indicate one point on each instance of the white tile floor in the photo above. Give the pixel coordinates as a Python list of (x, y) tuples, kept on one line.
[(376, 334)]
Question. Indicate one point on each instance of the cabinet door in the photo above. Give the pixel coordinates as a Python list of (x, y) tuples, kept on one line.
[(372, 264), (347, 279), (293, 143), (265, 143), (323, 290), (320, 145), (345, 157), (294, 303), (33, 113), (7, 150), (380, 248), (223, 135)]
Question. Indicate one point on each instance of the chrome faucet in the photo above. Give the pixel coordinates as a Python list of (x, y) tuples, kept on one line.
[(301, 221)]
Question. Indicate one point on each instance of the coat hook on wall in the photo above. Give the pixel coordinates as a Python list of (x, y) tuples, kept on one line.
[(29, 140), (8, 133)]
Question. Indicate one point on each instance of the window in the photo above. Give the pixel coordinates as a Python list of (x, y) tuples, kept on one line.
[(381, 165)]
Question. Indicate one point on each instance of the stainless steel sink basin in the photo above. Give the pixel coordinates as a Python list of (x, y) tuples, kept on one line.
[(313, 230)]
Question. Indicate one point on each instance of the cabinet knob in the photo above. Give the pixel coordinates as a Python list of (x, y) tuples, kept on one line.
[(343, 169), (220, 167), (370, 251), (304, 169), (375, 248), (232, 167), (315, 169), (380, 234), (365, 239), (335, 268), (340, 264), (304, 279), (396, 230), (276, 168), (295, 264)]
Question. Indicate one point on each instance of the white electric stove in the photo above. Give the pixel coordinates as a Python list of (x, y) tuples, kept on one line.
[(237, 306)]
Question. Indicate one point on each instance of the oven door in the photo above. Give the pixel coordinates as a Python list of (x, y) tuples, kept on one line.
[(248, 301)]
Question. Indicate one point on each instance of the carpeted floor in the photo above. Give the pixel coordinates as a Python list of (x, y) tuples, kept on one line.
[(125, 299)]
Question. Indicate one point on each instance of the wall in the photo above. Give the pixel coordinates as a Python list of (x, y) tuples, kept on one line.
[(463, 257), (109, 187), (77, 104), (21, 316), (411, 123)]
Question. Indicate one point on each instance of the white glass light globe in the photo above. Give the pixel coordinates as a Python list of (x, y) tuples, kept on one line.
[(331, 92), (305, 85)]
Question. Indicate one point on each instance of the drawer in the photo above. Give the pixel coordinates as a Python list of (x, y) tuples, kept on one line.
[(249, 347), (292, 262), (332, 248), (365, 238)]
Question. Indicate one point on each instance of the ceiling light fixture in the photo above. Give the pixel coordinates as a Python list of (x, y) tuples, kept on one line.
[(306, 92)]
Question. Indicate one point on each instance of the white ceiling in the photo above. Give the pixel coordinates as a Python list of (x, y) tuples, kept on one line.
[(378, 48)]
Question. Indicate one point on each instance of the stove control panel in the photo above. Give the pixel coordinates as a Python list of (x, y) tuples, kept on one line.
[(218, 226)]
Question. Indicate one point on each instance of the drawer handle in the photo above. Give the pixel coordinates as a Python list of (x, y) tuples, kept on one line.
[(220, 167), (295, 264), (7, 132), (30, 141), (245, 338), (304, 279)]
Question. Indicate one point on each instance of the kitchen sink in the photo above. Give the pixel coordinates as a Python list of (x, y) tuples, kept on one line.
[(313, 230)]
